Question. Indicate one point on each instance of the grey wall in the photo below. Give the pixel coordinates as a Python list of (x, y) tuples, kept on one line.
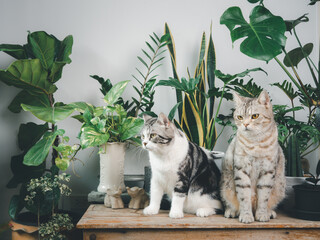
[(108, 35)]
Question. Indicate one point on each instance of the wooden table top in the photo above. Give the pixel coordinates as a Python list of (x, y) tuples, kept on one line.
[(99, 217)]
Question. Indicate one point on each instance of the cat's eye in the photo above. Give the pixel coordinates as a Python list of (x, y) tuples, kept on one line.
[(142, 137), (240, 117), (255, 116), (152, 135)]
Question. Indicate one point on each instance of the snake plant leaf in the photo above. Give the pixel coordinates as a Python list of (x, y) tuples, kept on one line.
[(294, 57), (202, 49), (90, 137), (172, 52), (16, 51), (39, 152), (43, 47), (24, 97), (29, 134), (211, 67), (49, 114), (130, 127), (115, 92), (264, 34), (28, 74)]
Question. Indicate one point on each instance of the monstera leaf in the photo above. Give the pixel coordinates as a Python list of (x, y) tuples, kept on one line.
[(264, 34), (28, 74)]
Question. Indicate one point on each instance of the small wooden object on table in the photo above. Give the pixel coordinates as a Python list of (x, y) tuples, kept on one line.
[(100, 222)]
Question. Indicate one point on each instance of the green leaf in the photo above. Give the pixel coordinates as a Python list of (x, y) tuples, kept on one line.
[(81, 106), (24, 97), (29, 134), (62, 163), (290, 24), (23, 173), (227, 77), (295, 56), (115, 92), (264, 35), (211, 67), (173, 111), (16, 51), (38, 153), (15, 206), (28, 75), (130, 127), (43, 47), (49, 114), (287, 88), (91, 138), (188, 86)]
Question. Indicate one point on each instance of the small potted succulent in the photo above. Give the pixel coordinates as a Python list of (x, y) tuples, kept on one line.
[(307, 197)]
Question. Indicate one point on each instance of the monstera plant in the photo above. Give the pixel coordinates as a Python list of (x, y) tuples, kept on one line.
[(263, 37), (38, 66)]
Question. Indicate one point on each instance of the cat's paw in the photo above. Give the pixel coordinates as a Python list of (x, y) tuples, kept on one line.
[(176, 214), (205, 212), (230, 213), (262, 216), (273, 214), (246, 217), (150, 210)]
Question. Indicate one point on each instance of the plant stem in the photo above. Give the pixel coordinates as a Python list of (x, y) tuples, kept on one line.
[(38, 216)]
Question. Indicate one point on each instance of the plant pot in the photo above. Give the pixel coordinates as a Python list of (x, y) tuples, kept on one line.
[(307, 201), (289, 201), (112, 166), (23, 232)]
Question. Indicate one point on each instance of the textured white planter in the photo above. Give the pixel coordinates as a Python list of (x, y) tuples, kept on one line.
[(112, 166)]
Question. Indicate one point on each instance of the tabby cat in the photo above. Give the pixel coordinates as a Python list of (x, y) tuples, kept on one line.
[(181, 169), (253, 180)]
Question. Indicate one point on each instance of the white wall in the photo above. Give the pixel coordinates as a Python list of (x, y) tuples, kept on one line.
[(108, 35)]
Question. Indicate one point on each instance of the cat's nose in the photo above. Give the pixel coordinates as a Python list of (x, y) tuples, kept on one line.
[(144, 143), (246, 124)]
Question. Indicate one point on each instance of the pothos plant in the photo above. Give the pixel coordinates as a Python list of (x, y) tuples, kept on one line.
[(109, 123), (265, 39), (36, 70)]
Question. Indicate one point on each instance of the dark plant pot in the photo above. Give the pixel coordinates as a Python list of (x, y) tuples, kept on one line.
[(307, 202)]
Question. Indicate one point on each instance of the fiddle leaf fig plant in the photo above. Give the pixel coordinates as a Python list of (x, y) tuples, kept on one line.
[(38, 66)]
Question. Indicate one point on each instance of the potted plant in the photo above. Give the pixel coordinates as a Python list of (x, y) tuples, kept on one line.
[(38, 67), (265, 40), (109, 128), (307, 197)]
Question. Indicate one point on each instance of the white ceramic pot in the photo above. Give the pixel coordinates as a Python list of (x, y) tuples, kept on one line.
[(112, 166)]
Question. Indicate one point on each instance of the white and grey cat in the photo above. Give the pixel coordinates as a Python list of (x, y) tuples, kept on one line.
[(253, 180), (181, 169)]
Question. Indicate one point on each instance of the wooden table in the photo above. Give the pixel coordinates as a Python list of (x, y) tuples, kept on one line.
[(100, 222)]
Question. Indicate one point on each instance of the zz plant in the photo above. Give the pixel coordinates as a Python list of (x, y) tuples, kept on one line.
[(38, 67)]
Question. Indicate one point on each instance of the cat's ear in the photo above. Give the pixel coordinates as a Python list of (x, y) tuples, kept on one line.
[(264, 99), (237, 98), (164, 120), (146, 117)]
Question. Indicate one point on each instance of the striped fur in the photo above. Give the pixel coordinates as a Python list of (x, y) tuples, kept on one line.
[(253, 181), (181, 169)]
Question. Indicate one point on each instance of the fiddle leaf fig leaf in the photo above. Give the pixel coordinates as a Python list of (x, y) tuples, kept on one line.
[(295, 56), (24, 97), (264, 34), (29, 75), (43, 47), (38, 153), (49, 114), (115, 92), (29, 134), (16, 51)]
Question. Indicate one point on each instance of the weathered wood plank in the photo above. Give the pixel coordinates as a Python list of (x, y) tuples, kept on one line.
[(201, 234), (100, 217)]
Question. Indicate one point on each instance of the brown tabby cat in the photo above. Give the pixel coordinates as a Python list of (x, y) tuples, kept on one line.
[(253, 180)]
